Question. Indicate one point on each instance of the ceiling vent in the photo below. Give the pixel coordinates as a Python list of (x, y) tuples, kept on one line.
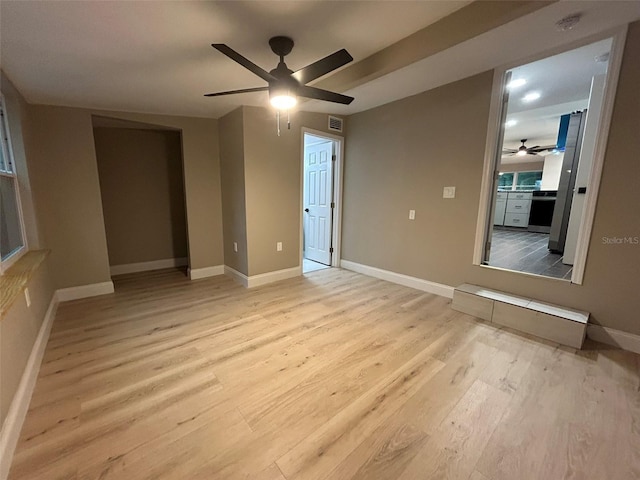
[(335, 124)]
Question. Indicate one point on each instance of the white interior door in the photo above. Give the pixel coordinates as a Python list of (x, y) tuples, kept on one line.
[(318, 194)]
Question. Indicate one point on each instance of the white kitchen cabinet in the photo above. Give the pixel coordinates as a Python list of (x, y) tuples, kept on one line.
[(518, 206), (517, 209), (501, 208), (519, 195), (516, 219)]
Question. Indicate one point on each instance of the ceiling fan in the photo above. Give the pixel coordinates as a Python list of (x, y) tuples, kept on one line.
[(524, 150), (286, 85)]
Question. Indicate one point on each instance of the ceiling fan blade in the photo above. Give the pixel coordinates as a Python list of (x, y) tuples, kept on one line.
[(542, 149), (322, 67), (232, 92), (245, 62), (327, 96)]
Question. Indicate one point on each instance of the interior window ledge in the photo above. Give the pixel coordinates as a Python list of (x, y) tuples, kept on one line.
[(17, 277)]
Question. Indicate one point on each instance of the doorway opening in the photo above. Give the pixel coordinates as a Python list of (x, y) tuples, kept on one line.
[(140, 169), (543, 173), (320, 200)]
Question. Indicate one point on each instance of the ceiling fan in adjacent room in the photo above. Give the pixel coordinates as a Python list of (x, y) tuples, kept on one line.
[(284, 85), (524, 150)]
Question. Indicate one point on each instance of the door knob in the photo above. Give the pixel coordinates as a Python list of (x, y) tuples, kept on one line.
[(306, 210)]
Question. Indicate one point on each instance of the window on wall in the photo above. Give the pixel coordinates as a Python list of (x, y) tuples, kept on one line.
[(505, 180), (528, 181), (519, 180), (12, 238)]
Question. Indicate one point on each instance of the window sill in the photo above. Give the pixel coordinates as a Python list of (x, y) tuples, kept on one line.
[(15, 279)]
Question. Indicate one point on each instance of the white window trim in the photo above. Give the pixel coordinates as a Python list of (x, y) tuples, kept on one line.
[(8, 152), (618, 36)]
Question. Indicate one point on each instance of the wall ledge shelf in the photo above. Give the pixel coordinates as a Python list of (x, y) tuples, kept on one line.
[(17, 277), (552, 322)]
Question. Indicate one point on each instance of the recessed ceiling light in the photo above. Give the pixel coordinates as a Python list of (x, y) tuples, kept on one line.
[(568, 22), (518, 82), (531, 96), (511, 123)]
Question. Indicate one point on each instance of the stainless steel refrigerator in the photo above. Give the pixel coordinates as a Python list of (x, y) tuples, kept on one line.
[(564, 197)]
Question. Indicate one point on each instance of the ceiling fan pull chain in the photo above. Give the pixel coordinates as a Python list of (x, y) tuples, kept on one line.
[(278, 120), (288, 120)]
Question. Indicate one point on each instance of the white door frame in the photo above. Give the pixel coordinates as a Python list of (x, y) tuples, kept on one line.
[(336, 223), (588, 214)]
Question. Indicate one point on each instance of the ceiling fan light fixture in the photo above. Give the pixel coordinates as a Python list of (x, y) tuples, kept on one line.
[(522, 150), (283, 101), (285, 85)]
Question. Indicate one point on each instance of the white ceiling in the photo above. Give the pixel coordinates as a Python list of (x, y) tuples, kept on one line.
[(563, 82), (156, 57), (502, 46)]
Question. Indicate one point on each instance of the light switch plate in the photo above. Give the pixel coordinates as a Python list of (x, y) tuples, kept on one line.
[(412, 214), (279, 246), (449, 192), (235, 246)]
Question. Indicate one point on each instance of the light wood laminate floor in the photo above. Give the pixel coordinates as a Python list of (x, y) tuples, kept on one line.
[(329, 376)]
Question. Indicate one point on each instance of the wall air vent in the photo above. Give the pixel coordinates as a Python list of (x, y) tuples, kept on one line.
[(335, 124)]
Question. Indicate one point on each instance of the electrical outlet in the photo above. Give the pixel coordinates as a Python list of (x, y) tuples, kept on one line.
[(279, 246), (449, 192), (27, 297), (235, 246), (412, 214)]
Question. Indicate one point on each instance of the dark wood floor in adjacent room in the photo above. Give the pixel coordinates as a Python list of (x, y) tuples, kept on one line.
[(330, 376)]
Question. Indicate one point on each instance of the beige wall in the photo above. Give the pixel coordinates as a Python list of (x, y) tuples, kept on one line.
[(62, 163), (21, 324), (400, 156), (233, 190), (261, 187), (18, 331), (273, 186), (272, 179), (142, 194), (201, 170)]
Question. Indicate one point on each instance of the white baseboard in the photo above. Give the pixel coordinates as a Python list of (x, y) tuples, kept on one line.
[(196, 273), (84, 291), (399, 278), (241, 278), (617, 338), (147, 266), (263, 278), (270, 277), (20, 404)]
